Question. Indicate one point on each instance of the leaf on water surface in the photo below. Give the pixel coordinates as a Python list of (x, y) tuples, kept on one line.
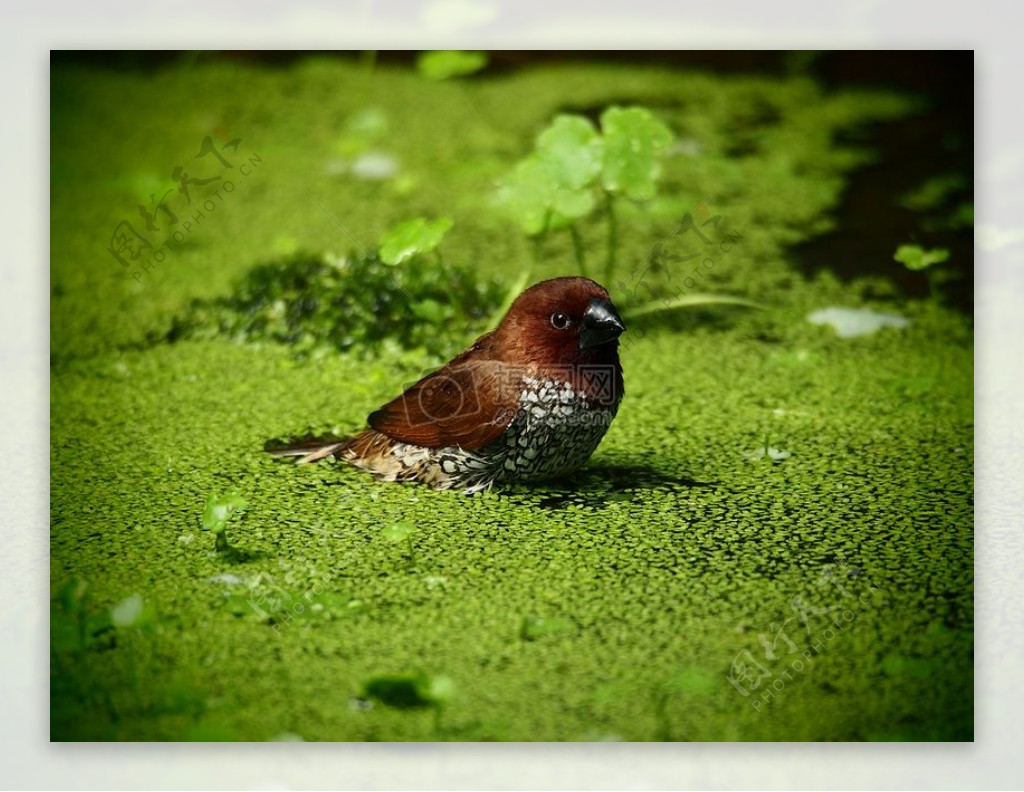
[(915, 257), (853, 322)]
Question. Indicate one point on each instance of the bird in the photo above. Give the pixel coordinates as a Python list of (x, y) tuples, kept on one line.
[(528, 401)]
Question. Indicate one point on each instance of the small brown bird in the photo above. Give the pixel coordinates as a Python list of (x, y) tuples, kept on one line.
[(529, 400)]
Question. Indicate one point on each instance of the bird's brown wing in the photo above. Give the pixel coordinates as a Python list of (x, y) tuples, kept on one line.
[(468, 403)]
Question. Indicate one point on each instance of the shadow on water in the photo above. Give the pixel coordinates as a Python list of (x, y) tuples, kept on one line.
[(598, 485)]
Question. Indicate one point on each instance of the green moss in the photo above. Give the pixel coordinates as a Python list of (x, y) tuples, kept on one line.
[(318, 305), (638, 583)]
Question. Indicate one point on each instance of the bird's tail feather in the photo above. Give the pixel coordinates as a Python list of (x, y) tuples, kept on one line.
[(310, 449)]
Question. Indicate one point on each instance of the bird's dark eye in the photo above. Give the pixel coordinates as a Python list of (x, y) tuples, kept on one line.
[(560, 321)]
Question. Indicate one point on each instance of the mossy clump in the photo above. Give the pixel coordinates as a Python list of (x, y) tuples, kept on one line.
[(315, 303)]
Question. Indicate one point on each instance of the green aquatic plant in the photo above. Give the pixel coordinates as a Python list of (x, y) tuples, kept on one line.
[(219, 510), (74, 598), (412, 691), (320, 303), (445, 64), (129, 617), (575, 169), (401, 533), (917, 258)]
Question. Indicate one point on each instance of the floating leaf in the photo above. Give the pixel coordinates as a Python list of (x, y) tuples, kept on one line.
[(127, 611), (219, 510), (411, 238), (399, 532), (438, 689), (374, 166), (443, 64), (773, 453), (914, 257), (633, 143), (852, 322)]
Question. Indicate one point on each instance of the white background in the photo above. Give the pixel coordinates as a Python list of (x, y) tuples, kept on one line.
[(29, 30)]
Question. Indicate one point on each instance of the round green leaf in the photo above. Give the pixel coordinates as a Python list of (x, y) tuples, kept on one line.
[(412, 238), (633, 143), (915, 257), (571, 149), (537, 201), (399, 532)]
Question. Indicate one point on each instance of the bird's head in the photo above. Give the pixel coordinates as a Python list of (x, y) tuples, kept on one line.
[(562, 321)]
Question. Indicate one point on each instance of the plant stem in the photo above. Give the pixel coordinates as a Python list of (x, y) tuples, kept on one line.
[(538, 247), (577, 246), (133, 678), (613, 237), (82, 628)]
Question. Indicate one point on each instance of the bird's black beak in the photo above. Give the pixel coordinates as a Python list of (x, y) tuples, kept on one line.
[(601, 324)]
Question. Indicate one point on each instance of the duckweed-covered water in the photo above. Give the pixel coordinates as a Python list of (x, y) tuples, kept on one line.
[(773, 542)]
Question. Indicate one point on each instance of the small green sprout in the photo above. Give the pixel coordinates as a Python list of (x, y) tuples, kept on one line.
[(74, 598), (401, 533), (444, 64), (129, 616), (914, 257), (219, 510), (767, 451)]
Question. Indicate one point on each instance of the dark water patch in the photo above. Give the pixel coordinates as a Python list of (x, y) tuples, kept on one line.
[(873, 219)]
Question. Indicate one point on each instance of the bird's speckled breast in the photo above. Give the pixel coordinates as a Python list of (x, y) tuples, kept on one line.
[(556, 429)]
